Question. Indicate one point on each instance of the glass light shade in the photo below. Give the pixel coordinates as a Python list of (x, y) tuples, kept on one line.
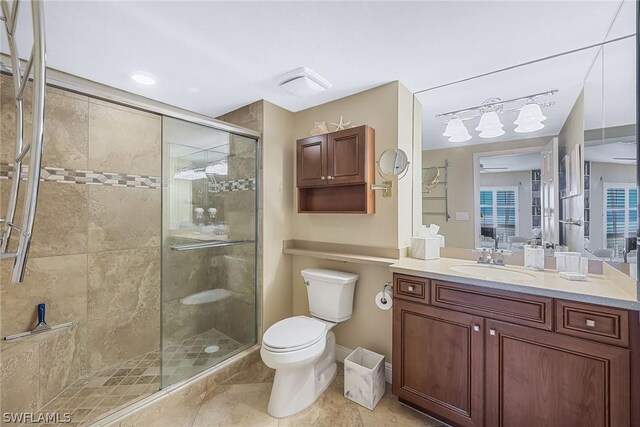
[(528, 127), (461, 137), (489, 120), (493, 132), (455, 127), (530, 113)]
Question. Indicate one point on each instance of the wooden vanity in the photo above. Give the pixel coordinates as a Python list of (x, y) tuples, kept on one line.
[(476, 356)]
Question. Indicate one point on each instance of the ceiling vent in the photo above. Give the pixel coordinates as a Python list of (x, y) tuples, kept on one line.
[(302, 82)]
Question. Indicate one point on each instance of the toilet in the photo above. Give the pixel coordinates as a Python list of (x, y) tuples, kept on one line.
[(302, 349)]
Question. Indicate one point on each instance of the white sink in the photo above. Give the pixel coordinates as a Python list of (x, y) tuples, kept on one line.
[(491, 272)]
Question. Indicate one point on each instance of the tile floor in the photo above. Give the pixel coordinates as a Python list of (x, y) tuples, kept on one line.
[(113, 388), (242, 401)]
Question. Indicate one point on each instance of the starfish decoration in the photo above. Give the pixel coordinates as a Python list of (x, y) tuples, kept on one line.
[(342, 124)]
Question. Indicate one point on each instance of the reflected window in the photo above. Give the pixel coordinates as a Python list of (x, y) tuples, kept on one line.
[(498, 213), (621, 215)]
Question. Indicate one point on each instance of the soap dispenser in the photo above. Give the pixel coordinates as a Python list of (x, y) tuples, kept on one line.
[(534, 256)]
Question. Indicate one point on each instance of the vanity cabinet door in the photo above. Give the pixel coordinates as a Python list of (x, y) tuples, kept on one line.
[(439, 355), (346, 156), (538, 378), (312, 161)]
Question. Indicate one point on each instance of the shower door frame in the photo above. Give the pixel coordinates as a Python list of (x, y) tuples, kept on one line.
[(257, 308), (69, 82)]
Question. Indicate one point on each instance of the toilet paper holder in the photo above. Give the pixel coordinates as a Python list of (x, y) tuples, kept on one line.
[(384, 289)]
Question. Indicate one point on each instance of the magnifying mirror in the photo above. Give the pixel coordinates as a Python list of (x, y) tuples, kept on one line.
[(430, 177), (393, 163)]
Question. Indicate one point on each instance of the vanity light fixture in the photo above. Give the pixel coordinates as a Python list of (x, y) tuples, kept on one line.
[(490, 125), (529, 118), (456, 131)]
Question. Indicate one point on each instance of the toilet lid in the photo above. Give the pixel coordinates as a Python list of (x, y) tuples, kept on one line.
[(294, 332)]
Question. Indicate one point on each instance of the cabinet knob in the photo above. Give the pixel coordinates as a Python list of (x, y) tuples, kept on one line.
[(476, 328), (591, 323), (410, 288), (323, 177), (492, 332), (329, 177)]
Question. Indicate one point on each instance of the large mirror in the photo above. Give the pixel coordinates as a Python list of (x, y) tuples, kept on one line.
[(546, 150)]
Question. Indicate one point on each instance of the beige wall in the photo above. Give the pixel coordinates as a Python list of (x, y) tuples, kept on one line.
[(389, 110), (369, 327), (277, 157), (378, 108), (571, 136), (461, 234), (95, 256)]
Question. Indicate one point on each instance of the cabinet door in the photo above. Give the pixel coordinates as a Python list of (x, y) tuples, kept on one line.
[(438, 361), (538, 378), (346, 156), (312, 161)]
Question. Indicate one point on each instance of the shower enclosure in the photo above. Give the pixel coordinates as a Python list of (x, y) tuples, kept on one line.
[(209, 229)]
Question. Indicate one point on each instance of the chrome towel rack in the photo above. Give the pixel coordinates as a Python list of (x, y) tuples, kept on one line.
[(37, 67), (207, 245)]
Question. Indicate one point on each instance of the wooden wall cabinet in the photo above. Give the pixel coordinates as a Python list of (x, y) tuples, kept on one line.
[(335, 172), (498, 364)]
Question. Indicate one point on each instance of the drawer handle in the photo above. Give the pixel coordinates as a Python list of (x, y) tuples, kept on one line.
[(410, 288), (476, 328), (591, 323), (492, 332)]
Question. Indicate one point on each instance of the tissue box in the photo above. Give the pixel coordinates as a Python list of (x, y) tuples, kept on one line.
[(425, 247)]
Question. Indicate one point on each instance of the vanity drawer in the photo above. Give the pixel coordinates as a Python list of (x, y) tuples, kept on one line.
[(411, 288), (527, 310), (596, 323)]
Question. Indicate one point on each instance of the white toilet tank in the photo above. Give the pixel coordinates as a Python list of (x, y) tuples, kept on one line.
[(330, 293)]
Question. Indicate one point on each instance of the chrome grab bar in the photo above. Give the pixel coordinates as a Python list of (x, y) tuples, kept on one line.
[(207, 245), (35, 64)]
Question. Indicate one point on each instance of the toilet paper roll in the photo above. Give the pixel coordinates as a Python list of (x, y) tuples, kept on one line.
[(384, 296)]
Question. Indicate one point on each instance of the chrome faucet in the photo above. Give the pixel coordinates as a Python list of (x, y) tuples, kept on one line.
[(492, 256)]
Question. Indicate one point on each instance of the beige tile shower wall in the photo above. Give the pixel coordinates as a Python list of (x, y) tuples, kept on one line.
[(276, 185), (95, 256)]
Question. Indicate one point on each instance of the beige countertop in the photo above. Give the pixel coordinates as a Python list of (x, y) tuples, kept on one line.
[(615, 290)]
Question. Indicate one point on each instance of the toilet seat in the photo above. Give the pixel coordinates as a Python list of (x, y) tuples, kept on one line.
[(294, 333)]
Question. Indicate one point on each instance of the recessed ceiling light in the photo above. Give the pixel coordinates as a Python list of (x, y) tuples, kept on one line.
[(143, 78)]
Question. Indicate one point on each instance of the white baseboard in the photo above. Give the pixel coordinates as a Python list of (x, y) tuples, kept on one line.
[(342, 353)]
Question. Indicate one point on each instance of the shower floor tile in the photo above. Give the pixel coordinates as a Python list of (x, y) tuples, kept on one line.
[(113, 388), (180, 361)]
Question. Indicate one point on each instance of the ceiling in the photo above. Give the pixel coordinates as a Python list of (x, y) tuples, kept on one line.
[(212, 57), (607, 75)]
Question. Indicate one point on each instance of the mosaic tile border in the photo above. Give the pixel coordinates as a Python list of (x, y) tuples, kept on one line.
[(78, 176), (236, 185)]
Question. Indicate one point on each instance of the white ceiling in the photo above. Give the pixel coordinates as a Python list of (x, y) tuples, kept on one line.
[(611, 68), (212, 57)]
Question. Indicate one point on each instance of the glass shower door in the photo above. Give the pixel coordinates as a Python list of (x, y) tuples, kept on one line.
[(209, 224)]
